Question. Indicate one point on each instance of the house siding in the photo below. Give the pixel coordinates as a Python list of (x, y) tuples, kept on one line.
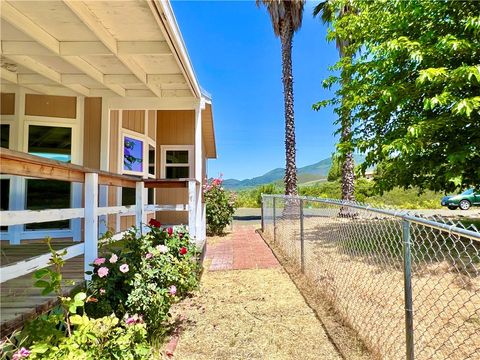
[(7, 104), (92, 131), (51, 106), (174, 127)]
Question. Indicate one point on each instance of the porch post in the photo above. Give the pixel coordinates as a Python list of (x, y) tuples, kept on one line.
[(16, 202), (91, 221), (140, 214), (199, 172), (191, 208)]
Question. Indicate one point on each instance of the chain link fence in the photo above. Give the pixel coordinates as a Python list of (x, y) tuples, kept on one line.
[(408, 285)]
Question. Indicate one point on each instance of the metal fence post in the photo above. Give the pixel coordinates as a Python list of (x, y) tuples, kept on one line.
[(274, 220), (407, 272), (302, 239), (261, 214)]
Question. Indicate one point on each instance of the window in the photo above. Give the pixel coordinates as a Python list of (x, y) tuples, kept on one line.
[(128, 196), (5, 135), (55, 143), (47, 194), (150, 196), (132, 155), (151, 160), (5, 197), (177, 162), (51, 142)]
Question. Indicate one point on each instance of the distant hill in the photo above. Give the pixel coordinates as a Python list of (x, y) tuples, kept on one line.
[(309, 173)]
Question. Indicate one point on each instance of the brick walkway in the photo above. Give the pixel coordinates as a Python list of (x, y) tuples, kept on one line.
[(244, 249)]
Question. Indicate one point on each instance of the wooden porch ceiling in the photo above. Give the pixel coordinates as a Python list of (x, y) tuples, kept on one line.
[(95, 48)]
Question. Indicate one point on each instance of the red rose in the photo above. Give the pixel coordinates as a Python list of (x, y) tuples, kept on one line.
[(170, 231), (180, 235), (154, 223), (183, 250)]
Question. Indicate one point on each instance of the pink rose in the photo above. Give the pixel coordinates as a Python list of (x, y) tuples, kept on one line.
[(172, 290), (149, 255), (102, 272), (21, 354), (135, 319), (124, 268), (102, 291), (113, 258), (170, 231), (98, 261)]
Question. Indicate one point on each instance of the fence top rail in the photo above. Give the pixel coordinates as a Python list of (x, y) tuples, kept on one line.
[(168, 183), (23, 164), (439, 223)]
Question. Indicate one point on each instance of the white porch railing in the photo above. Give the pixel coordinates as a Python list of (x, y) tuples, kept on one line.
[(21, 164)]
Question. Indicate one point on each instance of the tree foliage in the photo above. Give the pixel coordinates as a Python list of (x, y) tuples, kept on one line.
[(414, 90)]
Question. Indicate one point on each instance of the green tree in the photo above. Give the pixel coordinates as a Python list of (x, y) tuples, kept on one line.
[(413, 93), (329, 10), (286, 18), (335, 171)]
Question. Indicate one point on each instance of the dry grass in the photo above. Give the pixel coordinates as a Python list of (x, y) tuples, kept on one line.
[(341, 334), (368, 293), (250, 314)]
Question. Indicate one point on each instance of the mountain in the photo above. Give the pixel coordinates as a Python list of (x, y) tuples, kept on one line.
[(317, 171)]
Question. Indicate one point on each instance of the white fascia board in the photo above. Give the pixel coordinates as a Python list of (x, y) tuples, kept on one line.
[(177, 39)]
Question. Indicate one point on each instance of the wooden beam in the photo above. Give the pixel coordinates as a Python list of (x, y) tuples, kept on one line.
[(34, 79), (143, 47), (121, 79), (8, 75), (81, 48), (161, 79), (96, 26), (167, 183), (68, 79), (20, 217), (23, 164), (24, 24), (47, 72), (30, 48), (28, 266)]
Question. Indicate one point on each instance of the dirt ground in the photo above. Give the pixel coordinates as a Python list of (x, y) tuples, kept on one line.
[(365, 287), (250, 314)]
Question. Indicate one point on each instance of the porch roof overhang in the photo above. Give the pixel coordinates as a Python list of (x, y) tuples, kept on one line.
[(109, 48), (126, 51)]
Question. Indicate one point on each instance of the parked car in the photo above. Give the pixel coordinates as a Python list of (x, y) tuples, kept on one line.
[(464, 201)]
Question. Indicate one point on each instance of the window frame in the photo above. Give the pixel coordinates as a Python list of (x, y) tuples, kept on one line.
[(135, 136), (164, 165)]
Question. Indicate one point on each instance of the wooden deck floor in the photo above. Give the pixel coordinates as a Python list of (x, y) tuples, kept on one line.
[(19, 299)]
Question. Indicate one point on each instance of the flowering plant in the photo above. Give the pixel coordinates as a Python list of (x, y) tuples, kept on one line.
[(145, 276), (220, 206)]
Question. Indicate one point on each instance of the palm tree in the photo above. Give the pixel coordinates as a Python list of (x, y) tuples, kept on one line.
[(286, 18), (328, 12)]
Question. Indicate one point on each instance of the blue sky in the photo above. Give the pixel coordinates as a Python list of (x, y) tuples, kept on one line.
[(237, 59)]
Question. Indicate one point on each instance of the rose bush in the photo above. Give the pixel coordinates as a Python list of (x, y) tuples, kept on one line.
[(220, 206), (139, 277)]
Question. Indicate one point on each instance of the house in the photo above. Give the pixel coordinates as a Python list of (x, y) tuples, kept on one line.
[(102, 117)]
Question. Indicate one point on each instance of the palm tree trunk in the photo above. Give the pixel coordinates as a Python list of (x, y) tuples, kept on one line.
[(348, 166), (348, 173), (287, 78)]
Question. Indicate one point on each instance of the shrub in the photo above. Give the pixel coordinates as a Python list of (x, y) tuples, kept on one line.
[(67, 333), (220, 206), (146, 276)]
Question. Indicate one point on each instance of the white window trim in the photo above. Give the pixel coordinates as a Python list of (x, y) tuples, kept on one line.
[(139, 137), (165, 148), (152, 143)]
